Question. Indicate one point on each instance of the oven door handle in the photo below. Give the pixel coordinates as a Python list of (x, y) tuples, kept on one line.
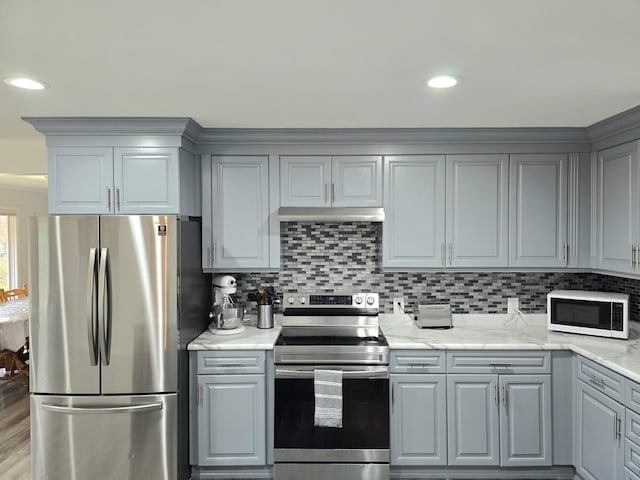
[(377, 372)]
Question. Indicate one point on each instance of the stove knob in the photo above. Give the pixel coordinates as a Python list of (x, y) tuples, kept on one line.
[(291, 300), (370, 300), (358, 300), (302, 300)]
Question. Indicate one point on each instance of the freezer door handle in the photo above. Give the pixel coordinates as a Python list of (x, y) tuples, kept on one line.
[(104, 306), (91, 308), (146, 407)]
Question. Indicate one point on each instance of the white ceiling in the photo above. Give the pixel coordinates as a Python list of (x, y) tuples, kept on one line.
[(316, 63)]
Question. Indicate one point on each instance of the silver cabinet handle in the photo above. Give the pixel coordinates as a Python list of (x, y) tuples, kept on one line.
[(333, 192), (442, 255), (421, 364), (501, 364), (497, 393), (617, 426), (594, 379), (147, 407), (326, 192), (633, 256), (565, 254), (118, 199), (91, 308), (108, 199), (213, 254), (200, 395), (230, 365), (504, 394), (450, 253)]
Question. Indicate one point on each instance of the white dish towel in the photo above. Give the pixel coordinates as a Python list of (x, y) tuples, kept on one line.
[(327, 386)]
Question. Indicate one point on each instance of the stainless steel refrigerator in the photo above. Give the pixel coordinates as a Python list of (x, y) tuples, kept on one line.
[(114, 300)]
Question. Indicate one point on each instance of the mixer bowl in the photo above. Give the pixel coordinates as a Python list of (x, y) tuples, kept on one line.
[(230, 316)]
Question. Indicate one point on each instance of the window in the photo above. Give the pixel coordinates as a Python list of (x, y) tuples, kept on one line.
[(8, 243)]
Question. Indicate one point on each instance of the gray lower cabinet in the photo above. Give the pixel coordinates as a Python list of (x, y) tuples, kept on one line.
[(599, 443), (418, 419), (230, 419)]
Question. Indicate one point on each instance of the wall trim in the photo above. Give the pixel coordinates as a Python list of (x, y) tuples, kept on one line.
[(620, 128)]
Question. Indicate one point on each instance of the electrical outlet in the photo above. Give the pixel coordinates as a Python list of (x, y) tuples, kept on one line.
[(513, 305), (398, 305)]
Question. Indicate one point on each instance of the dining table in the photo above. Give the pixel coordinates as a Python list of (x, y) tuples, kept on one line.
[(14, 323)]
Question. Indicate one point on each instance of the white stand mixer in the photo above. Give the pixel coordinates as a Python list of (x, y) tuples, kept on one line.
[(227, 316)]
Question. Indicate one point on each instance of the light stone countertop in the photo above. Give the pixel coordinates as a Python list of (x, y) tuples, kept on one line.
[(252, 338), (469, 332), (514, 332)]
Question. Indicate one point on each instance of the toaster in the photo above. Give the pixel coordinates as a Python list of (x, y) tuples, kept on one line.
[(434, 316)]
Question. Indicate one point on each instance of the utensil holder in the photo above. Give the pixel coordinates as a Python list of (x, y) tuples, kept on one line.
[(265, 316)]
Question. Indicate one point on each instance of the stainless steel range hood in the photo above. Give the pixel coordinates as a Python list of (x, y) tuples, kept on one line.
[(331, 214)]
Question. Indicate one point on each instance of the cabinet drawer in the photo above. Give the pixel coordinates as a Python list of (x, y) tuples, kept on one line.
[(601, 378), (632, 426), (233, 361), (632, 396), (499, 362), (632, 456), (417, 361), (629, 475)]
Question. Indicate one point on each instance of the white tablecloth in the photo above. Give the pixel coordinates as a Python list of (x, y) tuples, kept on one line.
[(14, 323)]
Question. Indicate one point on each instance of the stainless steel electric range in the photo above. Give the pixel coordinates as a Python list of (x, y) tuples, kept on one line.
[(336, 333)]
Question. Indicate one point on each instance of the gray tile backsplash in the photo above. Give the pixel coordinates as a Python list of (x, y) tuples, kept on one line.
[(328, 257)]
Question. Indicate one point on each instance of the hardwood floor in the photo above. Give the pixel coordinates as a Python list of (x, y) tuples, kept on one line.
[(15, 449)]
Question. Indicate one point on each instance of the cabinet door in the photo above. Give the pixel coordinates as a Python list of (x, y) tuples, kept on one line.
[(472, 414), (240, 212), (599, 450), (146, 181), (356, 181), (477, 210), (231, 417), (414, 196), (81, 181), (305, 181), (538, 211), (525, 420), (617, 225), (418, 420)]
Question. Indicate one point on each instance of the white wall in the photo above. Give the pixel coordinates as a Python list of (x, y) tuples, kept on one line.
[(26, 203)]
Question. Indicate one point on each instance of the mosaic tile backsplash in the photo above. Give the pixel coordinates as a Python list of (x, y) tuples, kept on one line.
[(328, 257)]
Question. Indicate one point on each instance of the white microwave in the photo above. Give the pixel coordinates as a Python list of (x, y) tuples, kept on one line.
[(589, 313)]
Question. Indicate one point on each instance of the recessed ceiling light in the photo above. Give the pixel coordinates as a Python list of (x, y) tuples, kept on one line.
[(443, 81), (26, 83)]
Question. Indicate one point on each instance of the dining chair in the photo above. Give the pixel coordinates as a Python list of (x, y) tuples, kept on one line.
[(3, 295), (16, 293)]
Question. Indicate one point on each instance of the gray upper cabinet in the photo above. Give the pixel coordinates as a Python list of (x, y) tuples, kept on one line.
[(538, 211), (617, 194), (134, 180), (477, 210), (326, 181), (237, 214), (445, 211), (414, 200)]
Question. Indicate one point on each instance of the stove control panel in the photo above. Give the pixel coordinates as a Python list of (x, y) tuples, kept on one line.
[(329, 300)]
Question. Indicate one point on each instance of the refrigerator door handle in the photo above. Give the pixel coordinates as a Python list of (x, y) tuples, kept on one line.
[(104, 306), (91, 308), (145, 407)]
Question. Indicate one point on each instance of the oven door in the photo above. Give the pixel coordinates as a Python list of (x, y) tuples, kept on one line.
[(364, 436)]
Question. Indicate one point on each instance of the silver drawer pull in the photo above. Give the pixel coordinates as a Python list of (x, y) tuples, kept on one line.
[(230, 365), (501, 364), (596, 380), (422, 364)]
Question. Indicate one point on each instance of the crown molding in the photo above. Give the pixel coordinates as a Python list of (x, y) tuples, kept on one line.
[(385, 136), (617, 129)]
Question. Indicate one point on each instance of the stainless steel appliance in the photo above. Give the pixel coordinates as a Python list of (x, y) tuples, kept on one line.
[(434, 316), (590, 313), (336, 332), (114, 302)]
